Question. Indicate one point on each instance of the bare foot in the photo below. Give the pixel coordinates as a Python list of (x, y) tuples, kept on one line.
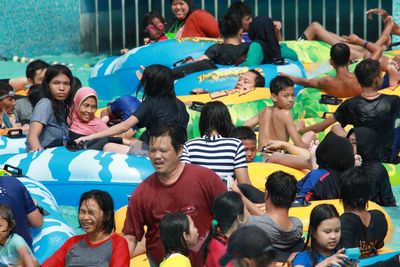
[(313, 148)]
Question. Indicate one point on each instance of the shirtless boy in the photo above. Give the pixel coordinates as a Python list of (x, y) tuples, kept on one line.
[(344, 84), (276, 123)]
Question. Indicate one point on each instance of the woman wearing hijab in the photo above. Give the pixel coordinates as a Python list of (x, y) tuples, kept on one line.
[(334, 155), (365, 143), (264, 47), (83, 121), (190, 22)]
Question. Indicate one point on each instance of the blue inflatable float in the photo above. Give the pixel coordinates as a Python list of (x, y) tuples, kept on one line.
[(68, 174), (12, 145)]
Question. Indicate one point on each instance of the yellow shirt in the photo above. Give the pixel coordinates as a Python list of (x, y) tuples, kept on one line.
[(176, 259)]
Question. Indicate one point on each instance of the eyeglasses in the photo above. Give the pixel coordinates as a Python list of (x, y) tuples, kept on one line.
[(10, 94)]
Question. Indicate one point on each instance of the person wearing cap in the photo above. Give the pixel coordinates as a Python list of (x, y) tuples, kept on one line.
[(7, 106), (191, 22), (249, 246)]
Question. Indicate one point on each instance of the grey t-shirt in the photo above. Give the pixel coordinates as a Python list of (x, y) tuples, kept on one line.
[(53, 132), (280, 238), (23, 110), (81, 254)]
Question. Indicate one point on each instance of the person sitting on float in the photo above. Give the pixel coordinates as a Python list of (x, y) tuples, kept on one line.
[(7, 106)]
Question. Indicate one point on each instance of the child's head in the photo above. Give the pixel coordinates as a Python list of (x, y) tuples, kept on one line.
[(178, 233), (281, 189), (215, 116), (7, 98), (354, 188), (35, 71), (157, 80), (7, 223), (153, 25), (230, 26), (324, 230), (368, 73), (249, 140), (243, 11), (282, 92), (96, 212), (249, 246), (340, 54)]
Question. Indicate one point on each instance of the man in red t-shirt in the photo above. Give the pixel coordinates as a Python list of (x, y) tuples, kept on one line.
[(175, 186)]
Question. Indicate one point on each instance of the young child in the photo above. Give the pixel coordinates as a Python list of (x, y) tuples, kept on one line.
[(324, 235), (178, 234), (276, 123), (13, 248), (249, 140), (153, 26)]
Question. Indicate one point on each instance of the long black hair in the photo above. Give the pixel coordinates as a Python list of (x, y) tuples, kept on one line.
[(106, 204), (157, 80), (61, 109), (226, 208), (318, 214), (215, 116), (172, 229)]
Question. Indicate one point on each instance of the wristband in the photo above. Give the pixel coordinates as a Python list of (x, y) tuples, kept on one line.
[(365, 44)]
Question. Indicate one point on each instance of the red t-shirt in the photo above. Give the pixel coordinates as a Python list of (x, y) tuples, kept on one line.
[(201, 24), (216, 249), (78, 249), (193, 193)]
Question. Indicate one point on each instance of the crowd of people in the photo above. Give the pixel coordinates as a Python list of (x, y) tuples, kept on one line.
[(199, 207)]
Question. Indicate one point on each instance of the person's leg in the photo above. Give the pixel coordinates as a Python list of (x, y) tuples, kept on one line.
[(116, 148), (308, 137)]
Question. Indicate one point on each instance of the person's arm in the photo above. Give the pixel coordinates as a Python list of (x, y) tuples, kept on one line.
[(251, 207), (114, 130), (252, 122), (315, 82), (120, 252), (274, 145), (385, 15), (132, 242), (255, 55), (375, 50), (25, 257), (278, 32), (320, 126), (202, 58), (35, 218), (18, 83), (291, 129), (242, 176), (35, 129)]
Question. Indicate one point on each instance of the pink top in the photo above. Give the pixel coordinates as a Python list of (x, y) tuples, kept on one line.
[(78, 126)]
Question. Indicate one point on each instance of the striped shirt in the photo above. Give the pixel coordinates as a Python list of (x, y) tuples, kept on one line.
[(220, 154)]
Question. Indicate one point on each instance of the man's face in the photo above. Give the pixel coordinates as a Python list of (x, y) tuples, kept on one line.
[(163, 156), (246, 80), (246, 20), (250, 149), (39, 76)]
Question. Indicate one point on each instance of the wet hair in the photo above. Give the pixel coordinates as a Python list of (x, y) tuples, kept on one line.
[(176, 133), (318, 214), (7, 214), (260, 80), (243, 133), (229, 26), (340, 54), (35, 94), (157, 80), (33, 66), (226, 208), (75, 86), (59, 107), (172, 229), (148, 20), (279, 83), (215, 116), (367, 71), (106, 204), (239, 9), (355, 188), (282, 189), (5, 88)]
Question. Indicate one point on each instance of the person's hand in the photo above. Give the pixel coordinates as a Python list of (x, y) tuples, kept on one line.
[(124, 50), (377, 11), (274, 145), (234, 187), (36, 149), (83, 139), (139, 74), (336, 259), (357, 160), (388, 21), (277, 25), (261, 206), (353, 39)]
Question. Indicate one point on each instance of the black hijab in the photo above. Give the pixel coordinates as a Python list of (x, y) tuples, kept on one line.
[(262, 31), (367, 141)]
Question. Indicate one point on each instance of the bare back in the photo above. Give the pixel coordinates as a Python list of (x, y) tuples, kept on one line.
[(345, 84), (272, 126)]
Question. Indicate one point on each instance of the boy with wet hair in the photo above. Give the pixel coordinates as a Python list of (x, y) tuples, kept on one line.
[(249, 140), (232, 51), (276, 122)]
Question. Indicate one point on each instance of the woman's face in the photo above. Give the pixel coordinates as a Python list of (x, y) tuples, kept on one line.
[(327, 235), (180, 9), (87, 109), (4, 231), (91, 216), (193, 235), (353, 141), (60, 87)]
